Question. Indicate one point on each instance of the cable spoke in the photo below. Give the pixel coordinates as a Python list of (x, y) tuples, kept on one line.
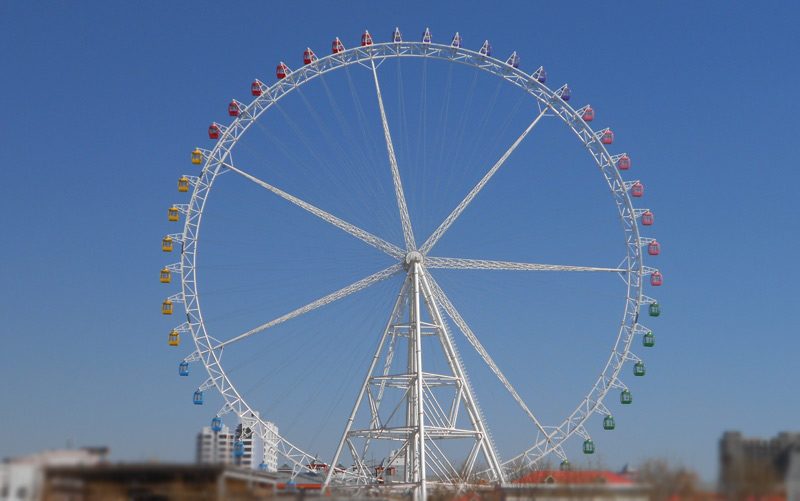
[(479, 264), (408, 234), (346, 291), (462, 325), (360, 234), (463, 205)]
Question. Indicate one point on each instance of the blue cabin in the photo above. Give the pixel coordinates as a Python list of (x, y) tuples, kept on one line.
[(198, 398), (216, 424), (183, 369)]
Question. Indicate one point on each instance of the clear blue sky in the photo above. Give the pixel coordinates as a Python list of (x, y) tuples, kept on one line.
[(102, 102)]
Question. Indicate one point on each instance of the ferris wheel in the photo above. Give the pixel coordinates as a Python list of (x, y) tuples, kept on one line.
[(408, 227)]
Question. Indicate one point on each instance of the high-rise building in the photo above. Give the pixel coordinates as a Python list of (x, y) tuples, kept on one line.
[(217, 447), (754, 465)]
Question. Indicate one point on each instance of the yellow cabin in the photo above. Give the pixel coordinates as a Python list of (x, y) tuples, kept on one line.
[(174, 338), (183, 184), (173, 214), (197, 157), (165, 276), (166, 307), (166, 245)]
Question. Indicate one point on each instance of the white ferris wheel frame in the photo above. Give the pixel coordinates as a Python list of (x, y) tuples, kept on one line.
[(217, 160)]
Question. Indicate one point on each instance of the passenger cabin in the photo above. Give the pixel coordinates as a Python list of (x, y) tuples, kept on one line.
[(566, 93), (649, 340), (197, 156), (366, 39), (183, 184), (213, 132), (165, 276), (624, 162), (337, 46), (255, 88), (166, 307), (456, 42), (625, 397), (647, 218), (233, 109), (588, 114), (639, 369), (309, 56), (173, 214), (637, 189), (656, 279), (540, 75), (588, 447), (174, 339), (426, 37), (655, 309), (513, 60), (609, 423), (486, 49), (654, 248), (238, 449), (281, 71), (397, 37), (198, 398), (608, 137), (166, 245), (216, 424), (183, 369)]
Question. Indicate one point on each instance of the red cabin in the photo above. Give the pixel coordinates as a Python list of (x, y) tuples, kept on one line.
[(255, 89), (637, 190), (656, 279), (588, 114), (653, 248), (337, 46), (309, 56), (624, 162), (608, 137), (366, 38), (281, 71), (647, 218), (233, 109), (213, 132)]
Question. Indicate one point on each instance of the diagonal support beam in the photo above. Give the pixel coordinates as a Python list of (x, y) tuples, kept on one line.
[(463, 205), (443, 300), (346, 291), (480, 264), (408, 233), (357, 232)]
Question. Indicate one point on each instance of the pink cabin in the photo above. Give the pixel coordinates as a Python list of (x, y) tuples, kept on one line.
[(213, 132), (608, 137), (588, 114), (337, 46), (281, 71), (654, 248), (233, 109), (366, 38), (255, 89), (656, 279), (637, 190), (624, 162), (647, 218), (309, 56)]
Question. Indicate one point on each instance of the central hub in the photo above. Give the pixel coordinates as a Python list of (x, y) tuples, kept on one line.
[(414, 257)]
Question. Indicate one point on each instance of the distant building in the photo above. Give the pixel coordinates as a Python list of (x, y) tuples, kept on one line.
[(21, 478), (217, 447), (755, 466)]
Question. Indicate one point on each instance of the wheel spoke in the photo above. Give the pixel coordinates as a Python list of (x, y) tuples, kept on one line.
[(408, 233), (480, 264), (346, 291), (357, 232), (473, 340), (463, 205)]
